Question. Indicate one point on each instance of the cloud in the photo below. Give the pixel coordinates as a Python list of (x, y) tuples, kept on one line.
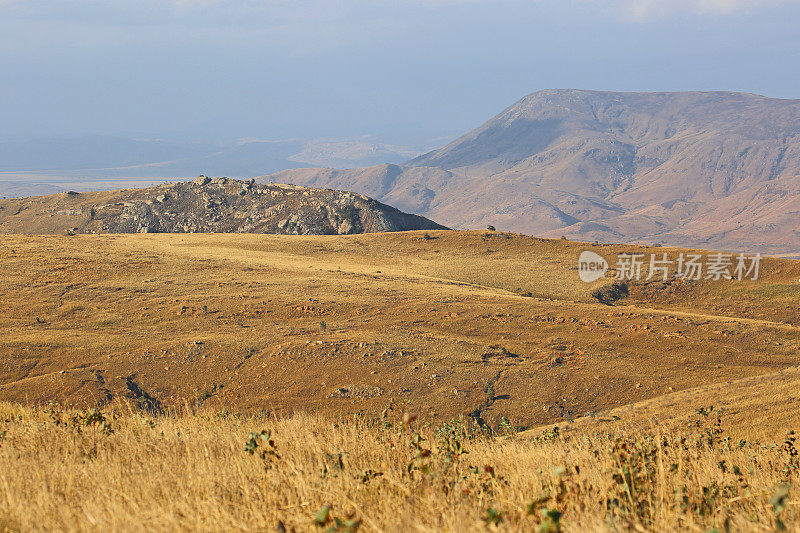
[(637, 10), (653, 9)]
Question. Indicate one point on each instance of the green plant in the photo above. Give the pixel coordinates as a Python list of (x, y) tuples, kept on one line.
[(368, 475), (636, 470), (548, 435), (451, 438), (91, 418), (792, 456), (333, 464), (550, 505), (550, 520), (420, 462), (263, 443), (324, 517), (492, 516), (778, 503), (505, 427)]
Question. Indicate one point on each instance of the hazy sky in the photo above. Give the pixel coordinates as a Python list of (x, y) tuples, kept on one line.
[(395, 69)]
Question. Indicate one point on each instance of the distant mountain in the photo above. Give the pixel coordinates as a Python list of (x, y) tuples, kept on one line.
[(93, 152), (710, 169), (207, 205), (44, 165), (20, 188)]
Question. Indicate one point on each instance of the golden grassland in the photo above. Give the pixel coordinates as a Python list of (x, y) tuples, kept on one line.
[(444, 323), (139, 372), (761, 407), (121, 469)]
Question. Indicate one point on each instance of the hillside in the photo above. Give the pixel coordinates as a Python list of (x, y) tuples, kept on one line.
[(759, 408), (271, 382), (448, 324), (207, 205), (714, 170)]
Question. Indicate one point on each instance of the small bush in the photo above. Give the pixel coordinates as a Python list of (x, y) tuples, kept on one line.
[(609, 294)]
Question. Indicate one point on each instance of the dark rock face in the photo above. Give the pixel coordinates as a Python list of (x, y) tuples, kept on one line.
[(218, 205)]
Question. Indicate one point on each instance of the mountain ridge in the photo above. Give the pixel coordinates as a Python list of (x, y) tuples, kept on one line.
[(713, 169)]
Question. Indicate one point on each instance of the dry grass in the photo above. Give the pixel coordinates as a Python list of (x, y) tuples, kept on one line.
[(281, 323), (759, 407), (343, 327), (69, 471)]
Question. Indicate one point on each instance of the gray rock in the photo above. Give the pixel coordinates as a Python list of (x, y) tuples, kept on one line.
[(237, 207), (345, 227)]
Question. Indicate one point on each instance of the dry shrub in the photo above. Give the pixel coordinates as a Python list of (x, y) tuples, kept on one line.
[(608, 294)]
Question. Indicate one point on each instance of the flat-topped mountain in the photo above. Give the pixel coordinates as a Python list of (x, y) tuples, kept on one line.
[(206, 205), (708, 169)]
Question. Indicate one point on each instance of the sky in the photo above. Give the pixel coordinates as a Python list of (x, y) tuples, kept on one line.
[(398, 71)]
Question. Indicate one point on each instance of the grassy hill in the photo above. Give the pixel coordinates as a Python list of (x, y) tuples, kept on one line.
[(446, 324), (376, 382)]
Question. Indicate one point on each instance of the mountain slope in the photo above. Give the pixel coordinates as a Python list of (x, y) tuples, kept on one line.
[(206, 205), (712, 169)]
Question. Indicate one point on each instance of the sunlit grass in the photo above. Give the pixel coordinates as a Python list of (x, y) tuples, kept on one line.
[(124, 470)]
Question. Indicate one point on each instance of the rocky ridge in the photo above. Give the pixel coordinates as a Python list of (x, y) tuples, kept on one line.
[(208, 205)]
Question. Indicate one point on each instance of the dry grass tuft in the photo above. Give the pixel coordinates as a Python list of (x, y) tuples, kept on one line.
[(124, 470)]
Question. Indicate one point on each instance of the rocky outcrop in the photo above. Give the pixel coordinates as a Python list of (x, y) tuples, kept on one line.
[(208, 205)]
